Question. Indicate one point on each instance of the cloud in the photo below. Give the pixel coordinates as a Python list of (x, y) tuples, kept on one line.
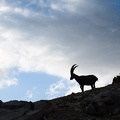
[(50, 36), (73, 89), (29, 94), (64, 87), (55, 89), (8, 82), (66, 6)]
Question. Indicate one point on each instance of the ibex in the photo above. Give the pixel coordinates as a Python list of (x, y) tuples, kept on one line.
[(83, 80)]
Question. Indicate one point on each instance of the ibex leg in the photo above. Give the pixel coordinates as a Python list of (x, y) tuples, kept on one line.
[(93, 86), (82, 88)]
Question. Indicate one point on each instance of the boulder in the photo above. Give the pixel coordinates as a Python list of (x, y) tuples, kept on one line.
[(116, 79)]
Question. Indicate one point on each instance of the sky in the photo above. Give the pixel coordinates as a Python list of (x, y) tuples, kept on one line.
[(41, 39)]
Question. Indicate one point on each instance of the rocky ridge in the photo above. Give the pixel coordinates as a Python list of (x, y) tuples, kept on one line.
[(98, 104)]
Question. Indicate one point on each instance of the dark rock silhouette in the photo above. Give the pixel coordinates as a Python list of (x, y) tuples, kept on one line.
[(104, 103), (97, 104), (83, 80), (22, 110), (116, 79)]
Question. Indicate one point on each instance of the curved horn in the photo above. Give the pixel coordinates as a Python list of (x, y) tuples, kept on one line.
[(73, 67)]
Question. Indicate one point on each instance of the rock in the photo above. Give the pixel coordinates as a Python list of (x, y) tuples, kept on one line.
[(44, 104), (21, 110), (1, 103), (18, 104), (116, 79), (105, 103), (90, 109), (98, 104)]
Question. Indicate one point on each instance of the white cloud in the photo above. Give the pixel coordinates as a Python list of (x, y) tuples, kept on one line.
[(24, 12), (4, 9), (55, 89), (33, 39), (71, 6), (75, 88), (8, 82), (29, 94)]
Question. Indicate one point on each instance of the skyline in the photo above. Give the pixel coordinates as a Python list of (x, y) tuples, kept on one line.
[(40, 40)]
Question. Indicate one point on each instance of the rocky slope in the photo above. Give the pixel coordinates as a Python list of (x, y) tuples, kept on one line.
[(98, 104)]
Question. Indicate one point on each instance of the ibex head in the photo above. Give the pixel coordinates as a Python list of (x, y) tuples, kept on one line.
[(72, 70)]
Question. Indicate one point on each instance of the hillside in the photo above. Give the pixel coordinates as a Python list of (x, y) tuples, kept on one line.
[(98, 104)]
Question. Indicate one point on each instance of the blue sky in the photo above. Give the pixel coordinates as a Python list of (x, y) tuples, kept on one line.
[(41, 39)]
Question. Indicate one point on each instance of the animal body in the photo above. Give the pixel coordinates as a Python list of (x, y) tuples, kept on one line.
[(83, 80)]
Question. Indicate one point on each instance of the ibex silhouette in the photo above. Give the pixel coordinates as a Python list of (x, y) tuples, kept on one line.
[(83, 80)]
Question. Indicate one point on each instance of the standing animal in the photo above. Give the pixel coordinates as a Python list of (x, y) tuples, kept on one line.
[(83, 80)]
